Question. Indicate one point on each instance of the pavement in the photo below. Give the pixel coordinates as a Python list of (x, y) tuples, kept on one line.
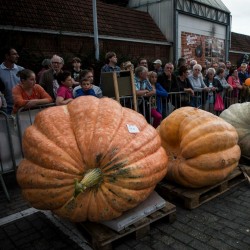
[(223, 223)]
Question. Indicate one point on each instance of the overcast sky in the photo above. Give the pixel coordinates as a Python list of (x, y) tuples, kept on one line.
[(240, 11)]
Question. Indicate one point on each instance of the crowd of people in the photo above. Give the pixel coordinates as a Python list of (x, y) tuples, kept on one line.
[(22, 88)]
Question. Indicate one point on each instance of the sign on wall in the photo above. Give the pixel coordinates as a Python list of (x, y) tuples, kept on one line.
[(202, 48)]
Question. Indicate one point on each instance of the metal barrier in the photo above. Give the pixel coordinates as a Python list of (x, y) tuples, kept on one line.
[(26, 117), (200, 100), (12, 128), (8, 135)]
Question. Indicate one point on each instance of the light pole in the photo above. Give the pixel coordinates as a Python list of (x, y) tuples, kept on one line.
[(96, 40)]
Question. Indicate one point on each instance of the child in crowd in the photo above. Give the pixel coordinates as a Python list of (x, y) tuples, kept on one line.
[(156, 109), (64, 92), (86, 88)]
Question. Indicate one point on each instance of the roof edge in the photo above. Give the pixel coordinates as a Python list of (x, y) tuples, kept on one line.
[(80, 34)]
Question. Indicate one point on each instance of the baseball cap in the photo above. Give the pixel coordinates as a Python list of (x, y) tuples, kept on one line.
[(158, 61)]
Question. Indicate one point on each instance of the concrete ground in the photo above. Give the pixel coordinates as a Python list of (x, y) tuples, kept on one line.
[(222, 223)]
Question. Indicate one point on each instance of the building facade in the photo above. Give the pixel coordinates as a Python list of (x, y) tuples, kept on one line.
[(197, 29)]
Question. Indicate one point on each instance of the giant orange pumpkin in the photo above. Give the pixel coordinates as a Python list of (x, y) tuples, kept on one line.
[(202, 148), (83, 163)]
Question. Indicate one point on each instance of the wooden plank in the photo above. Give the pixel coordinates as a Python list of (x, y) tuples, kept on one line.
[(192, 198), (101, 237)]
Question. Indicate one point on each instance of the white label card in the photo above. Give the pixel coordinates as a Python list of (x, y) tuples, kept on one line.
[(132, 129)]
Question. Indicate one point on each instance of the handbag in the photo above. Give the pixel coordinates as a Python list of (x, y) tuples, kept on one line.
[(219, 104)]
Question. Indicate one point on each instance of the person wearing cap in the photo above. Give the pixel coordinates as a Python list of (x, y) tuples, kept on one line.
[(157, 66)]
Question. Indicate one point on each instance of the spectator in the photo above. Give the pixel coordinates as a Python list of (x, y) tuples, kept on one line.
[(8, 75), (214, 86), (88, 74), (169, 82), (143, 62), (86, 88), (243, 73), (48, 79), (234, 82), (215, 65), (167, 79), (184, 86), (111, 61), (156, 106), (181, 62), (128, 65), (143, 88), (220, 75), (142, 85), (198, 85), (3, 103), (64, 92), (191, 65), (228, 67), (222, 65), (27, 93), (157, 66), (75, 74), (46, 64)]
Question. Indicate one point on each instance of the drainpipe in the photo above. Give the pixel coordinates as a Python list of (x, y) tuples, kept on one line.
[(228, 37), (96, 41)]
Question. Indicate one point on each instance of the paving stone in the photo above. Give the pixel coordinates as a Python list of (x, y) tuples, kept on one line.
[(121, 247), (182, 237), (222, 223), (243, 221), (167, 240), (197, 225), (163, 227), (7, 244), (246, 240), (11, 229), (142, 246), (227, 223), (160, 246), (181, 227), (199, 235), (237, 244), (180, 246), (196, 244), (218, 244)]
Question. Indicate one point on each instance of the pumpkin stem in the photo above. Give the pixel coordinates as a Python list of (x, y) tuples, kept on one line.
[(93, 177)]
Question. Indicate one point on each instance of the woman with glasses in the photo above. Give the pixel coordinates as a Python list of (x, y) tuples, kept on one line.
[(48, 79), (198, 85)]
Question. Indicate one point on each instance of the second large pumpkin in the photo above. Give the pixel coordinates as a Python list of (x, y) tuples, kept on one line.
[(202, 148)]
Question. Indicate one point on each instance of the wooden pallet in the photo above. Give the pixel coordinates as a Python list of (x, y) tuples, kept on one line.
[(101, 237), (192, 198)]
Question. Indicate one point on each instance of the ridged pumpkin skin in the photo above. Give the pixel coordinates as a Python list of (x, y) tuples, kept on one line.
[(202, 148), (239, 116), (66, 142)]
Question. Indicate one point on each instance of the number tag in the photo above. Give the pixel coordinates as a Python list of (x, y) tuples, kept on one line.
[(132, 129)]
